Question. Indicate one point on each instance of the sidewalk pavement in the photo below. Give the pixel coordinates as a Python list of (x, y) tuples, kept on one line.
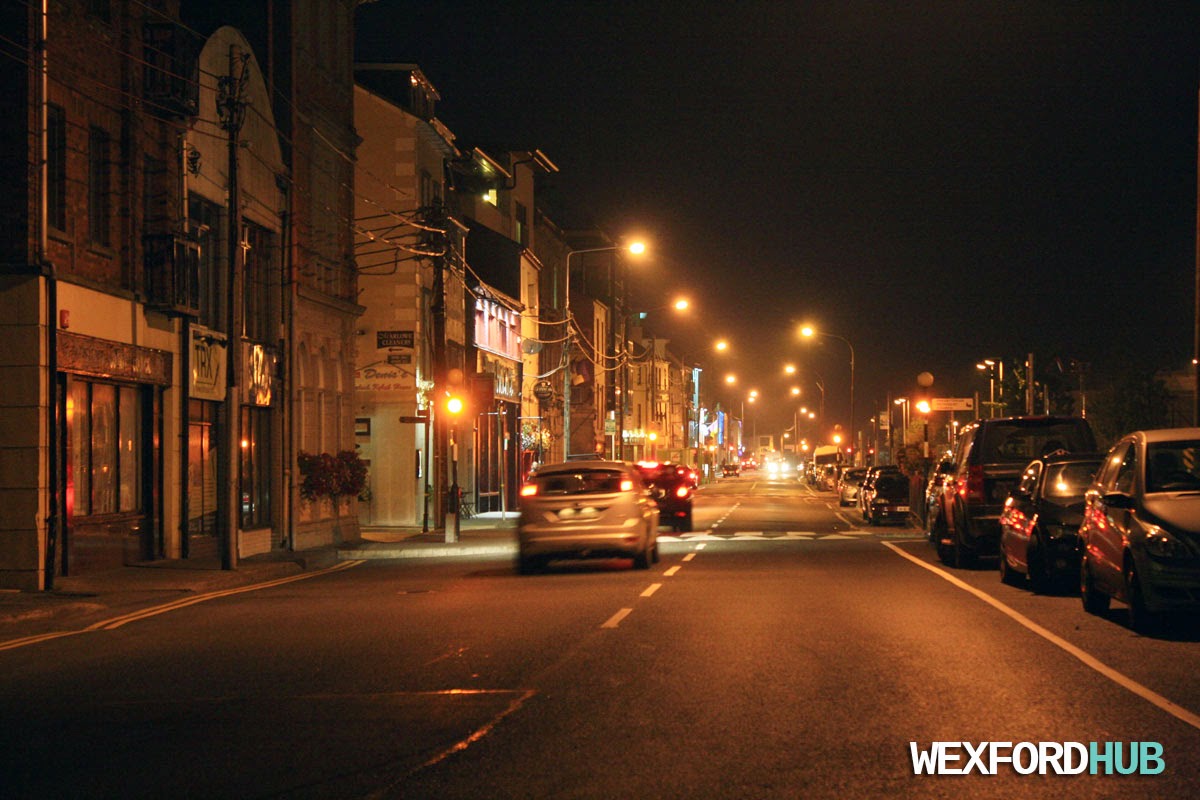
[(79, 598)]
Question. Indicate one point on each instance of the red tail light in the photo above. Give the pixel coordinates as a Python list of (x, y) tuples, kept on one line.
[(972, 488), (682, 491), (529, 490)]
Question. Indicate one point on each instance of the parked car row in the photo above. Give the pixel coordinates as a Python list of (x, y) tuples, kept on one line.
[(1121, 525)]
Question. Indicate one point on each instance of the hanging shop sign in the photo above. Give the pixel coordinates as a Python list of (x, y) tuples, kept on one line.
[(208, 361), (259, 364), (384, 377)]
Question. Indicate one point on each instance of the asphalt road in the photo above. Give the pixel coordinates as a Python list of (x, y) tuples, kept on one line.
[(783, 650)]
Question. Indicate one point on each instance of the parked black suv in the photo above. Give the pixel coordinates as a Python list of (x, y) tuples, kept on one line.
[(986, 465)]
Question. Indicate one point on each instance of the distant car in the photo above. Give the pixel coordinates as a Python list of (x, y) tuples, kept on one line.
[(1039, 527), (1141, 527), (986, 465), (731, 470), (867, 489), (672, 487), (889, 499), (586, 509), (749, 464), (849, 484), (779, 468)]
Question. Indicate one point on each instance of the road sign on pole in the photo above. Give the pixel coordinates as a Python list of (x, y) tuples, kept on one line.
[(952, 404)]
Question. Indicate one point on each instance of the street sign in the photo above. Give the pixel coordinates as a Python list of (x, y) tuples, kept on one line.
[(414, 419), (952, 404)]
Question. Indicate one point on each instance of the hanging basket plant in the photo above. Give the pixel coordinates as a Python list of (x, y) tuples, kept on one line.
[(333, 476)]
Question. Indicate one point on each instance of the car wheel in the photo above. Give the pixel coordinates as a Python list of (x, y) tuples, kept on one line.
[(1141, 619), (1093, 601), (1039, 570), (654, 553), (964, 557), (940, 534), (642, 559), (528, 565), (1007, 573)]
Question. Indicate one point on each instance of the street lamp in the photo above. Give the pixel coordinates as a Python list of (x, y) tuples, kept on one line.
[(924, 408), (990, 365), (903, 401), (808, 332), (636, 248)]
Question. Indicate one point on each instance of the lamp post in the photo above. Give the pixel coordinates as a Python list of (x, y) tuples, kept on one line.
[(637, 248), (903, 402), (808, 332), (991, 365)]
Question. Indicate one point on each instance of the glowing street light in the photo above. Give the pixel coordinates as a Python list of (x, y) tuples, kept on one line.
[(809, 332)]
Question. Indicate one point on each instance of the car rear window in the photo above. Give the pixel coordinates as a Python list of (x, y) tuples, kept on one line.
[(588, 481), (1025, 440), (1067, 483), (888, 484)]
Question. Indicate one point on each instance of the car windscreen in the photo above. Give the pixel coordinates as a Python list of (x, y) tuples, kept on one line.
[(1173, 466), (1066, 483), (1024, 440), (586, 481)]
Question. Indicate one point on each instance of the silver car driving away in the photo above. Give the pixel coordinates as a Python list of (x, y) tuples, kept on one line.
[(586, 509)]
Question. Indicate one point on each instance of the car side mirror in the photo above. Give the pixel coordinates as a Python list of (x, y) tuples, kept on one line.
[(1118, 500)]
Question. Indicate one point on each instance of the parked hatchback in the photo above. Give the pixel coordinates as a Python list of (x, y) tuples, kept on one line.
[(1039, 527), (848, 485), (986, 466), (889, 499), (1141, 527), (586, 509)]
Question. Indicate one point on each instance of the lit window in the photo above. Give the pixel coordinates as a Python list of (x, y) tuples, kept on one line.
[(490, 197)]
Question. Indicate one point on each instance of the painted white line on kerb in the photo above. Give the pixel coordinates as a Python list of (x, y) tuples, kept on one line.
[(1144, 692), (671, 571), (701, 546), (689, 556), (651, 589), (616, 618)]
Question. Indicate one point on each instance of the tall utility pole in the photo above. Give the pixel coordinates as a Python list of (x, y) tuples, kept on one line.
[(231, 107), (441, 369)]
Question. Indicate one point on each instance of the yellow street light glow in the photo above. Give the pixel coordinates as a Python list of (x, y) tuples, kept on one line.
[(637, 248), (454, 405), (795, 391), (681, 304), (721, 346), (923, 406), (731, 379), (837, 438), (789, 369), (754, 392), (808, 331)]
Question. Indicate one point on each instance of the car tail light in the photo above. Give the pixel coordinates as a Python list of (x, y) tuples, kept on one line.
[(626, 485), (972, 487), (529, 490), (682, 492)]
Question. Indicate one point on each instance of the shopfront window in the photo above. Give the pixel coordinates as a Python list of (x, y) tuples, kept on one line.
[(255, 475), (104, 430), (202, 468)]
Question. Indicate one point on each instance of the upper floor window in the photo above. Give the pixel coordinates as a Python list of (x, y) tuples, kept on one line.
[(99, 187), (56, 167), (261, 288)]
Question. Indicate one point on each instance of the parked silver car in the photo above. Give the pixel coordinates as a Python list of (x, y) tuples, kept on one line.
[(586, 509), (1140, 535), (848, 485)]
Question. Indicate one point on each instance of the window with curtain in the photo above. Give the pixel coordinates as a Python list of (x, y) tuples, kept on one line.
[(105, 434)]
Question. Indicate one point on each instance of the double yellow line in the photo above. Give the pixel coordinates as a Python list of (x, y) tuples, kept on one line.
[(116, 622)]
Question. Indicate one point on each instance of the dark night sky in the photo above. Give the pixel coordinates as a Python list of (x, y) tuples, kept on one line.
[(937, 182)]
